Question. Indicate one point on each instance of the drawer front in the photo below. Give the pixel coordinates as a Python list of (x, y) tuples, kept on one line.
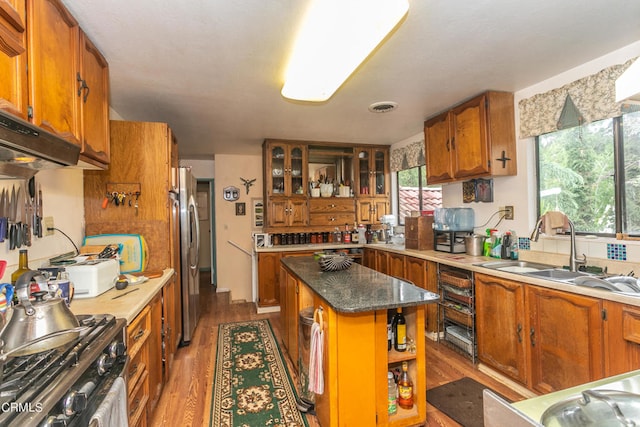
[(138, 332), (631, 325), (335, 219), (137, 367), (331, 205), (138, 399)]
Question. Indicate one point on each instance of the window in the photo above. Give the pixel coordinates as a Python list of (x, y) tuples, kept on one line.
[(414, 194), (578, 169)]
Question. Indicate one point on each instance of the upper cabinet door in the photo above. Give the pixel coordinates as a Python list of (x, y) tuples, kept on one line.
[(13, 58), (469, 139), (286, 169), (372, 172), (53, 68), (93, 92), (438, 149)]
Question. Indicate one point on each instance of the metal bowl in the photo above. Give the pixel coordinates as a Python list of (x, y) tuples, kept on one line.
[(600, 408)]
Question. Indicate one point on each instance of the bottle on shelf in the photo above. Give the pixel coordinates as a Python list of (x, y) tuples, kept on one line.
[(400, 331), (392, 394), (405, 388), (390, 326), (346, 237)]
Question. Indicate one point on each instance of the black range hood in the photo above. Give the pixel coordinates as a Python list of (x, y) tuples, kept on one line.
[(25, 149)]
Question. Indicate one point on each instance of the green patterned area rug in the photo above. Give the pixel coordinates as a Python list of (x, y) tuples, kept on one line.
[(252, 386)]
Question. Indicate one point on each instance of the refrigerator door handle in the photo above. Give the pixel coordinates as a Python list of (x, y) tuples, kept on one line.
[(194, 221)]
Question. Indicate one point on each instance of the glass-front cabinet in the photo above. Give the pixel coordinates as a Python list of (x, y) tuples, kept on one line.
[(286, 169), (372, 172)]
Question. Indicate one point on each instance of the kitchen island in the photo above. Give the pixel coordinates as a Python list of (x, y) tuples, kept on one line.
[(353, 306)]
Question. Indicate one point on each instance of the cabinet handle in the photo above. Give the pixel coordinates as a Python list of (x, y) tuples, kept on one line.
[(519, 331), (134, 408), (447, 144), (453, 143), (532, 334), (139, 335), (133, 370), (82, 87)]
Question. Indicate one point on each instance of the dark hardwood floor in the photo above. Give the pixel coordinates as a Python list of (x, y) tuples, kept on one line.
[(187, 394)]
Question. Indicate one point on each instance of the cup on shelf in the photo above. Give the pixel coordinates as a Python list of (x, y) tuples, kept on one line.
[(315, 192)]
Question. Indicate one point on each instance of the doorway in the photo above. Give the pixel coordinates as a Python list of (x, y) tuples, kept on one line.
[(206, 211)]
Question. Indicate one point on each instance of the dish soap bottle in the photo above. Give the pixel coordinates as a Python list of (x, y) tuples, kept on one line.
[(392, 394)]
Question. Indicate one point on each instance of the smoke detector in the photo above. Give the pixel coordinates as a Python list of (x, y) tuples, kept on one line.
[(383, 107)]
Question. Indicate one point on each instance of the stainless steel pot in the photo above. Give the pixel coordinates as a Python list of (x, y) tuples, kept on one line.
[(43, 323), (474, 244)]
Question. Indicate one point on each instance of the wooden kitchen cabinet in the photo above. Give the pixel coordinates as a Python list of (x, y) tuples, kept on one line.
[(474, 139), (372, 172), (268, 279), (13, 58), (369, 258), (396, 265), (54, 44), (501, 325), (382, 261), (68, 81), (285, 168), (94, 104), (369, 210), (331, 211), (287, 212), (544, 338), (138, 333), (565, 339), (424, 274), (292, 302), (621, 338), (170, 324), (156, 369)]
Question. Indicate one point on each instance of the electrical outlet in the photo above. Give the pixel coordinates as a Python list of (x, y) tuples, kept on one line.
[(508, 212), (47, 225)]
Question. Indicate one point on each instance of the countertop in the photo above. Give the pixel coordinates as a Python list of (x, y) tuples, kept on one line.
[(357, 289), (129, 305), (471, 263)]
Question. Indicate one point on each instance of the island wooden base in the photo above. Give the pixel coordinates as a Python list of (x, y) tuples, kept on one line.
[(356, 362)]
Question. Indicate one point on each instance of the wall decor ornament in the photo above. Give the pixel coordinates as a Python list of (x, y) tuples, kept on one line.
[(230, 193), (247, 183), (241, 209)]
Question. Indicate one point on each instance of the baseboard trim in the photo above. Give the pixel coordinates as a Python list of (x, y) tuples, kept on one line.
[(519, 388), (272, 309), (218, 290)]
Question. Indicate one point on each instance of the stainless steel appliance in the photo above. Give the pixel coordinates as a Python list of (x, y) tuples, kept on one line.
[(25, 149), (189, 249), (65, 385)]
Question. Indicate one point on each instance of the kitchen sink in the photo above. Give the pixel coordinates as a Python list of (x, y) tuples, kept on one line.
[(516, 266), (557, 274)]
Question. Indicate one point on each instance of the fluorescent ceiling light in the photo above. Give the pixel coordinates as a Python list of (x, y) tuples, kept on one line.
[(336, 36)]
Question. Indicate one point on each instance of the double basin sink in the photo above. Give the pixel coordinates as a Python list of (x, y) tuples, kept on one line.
[(622, 284)]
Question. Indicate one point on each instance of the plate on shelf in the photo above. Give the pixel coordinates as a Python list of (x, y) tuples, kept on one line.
[(277, 172)]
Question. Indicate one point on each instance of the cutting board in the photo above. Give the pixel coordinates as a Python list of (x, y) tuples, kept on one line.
[(134, 254)]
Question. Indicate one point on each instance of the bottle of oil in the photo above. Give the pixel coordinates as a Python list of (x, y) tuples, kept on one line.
[(400, 331), (405, 389), (23, 267)]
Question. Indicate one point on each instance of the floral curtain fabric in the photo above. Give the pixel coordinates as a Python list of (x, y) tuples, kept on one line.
[(407, 157), (594, 97)]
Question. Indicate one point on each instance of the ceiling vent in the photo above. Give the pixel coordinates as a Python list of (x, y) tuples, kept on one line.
[(383, 107)]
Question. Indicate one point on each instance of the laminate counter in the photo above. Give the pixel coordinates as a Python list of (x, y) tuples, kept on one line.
[(128, 303)]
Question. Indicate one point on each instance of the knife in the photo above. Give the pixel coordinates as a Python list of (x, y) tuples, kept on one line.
[(39, 216), (12, 218), (28, 218), (19, 218), (3, 218)]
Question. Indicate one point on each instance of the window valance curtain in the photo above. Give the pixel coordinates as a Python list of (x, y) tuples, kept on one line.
[(593, 96), (408, 156)]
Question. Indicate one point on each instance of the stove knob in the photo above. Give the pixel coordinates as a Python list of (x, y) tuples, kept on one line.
[(74, 402), (104, 363), (117, 348)]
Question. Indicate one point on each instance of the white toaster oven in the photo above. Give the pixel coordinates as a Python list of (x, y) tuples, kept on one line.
[(93, 277)]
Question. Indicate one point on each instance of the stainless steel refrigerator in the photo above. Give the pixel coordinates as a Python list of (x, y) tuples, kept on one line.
[(189, 249)]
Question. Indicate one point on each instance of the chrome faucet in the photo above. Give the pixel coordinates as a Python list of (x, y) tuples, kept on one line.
[(573, 259)]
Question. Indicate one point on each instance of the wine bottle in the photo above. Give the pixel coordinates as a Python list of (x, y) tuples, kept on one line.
[(400, 331), (405, 389), (23, 267)]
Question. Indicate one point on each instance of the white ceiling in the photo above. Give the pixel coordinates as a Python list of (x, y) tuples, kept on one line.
[(213, 69)]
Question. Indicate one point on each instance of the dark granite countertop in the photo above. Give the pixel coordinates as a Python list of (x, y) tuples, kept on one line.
[(358, 288)]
